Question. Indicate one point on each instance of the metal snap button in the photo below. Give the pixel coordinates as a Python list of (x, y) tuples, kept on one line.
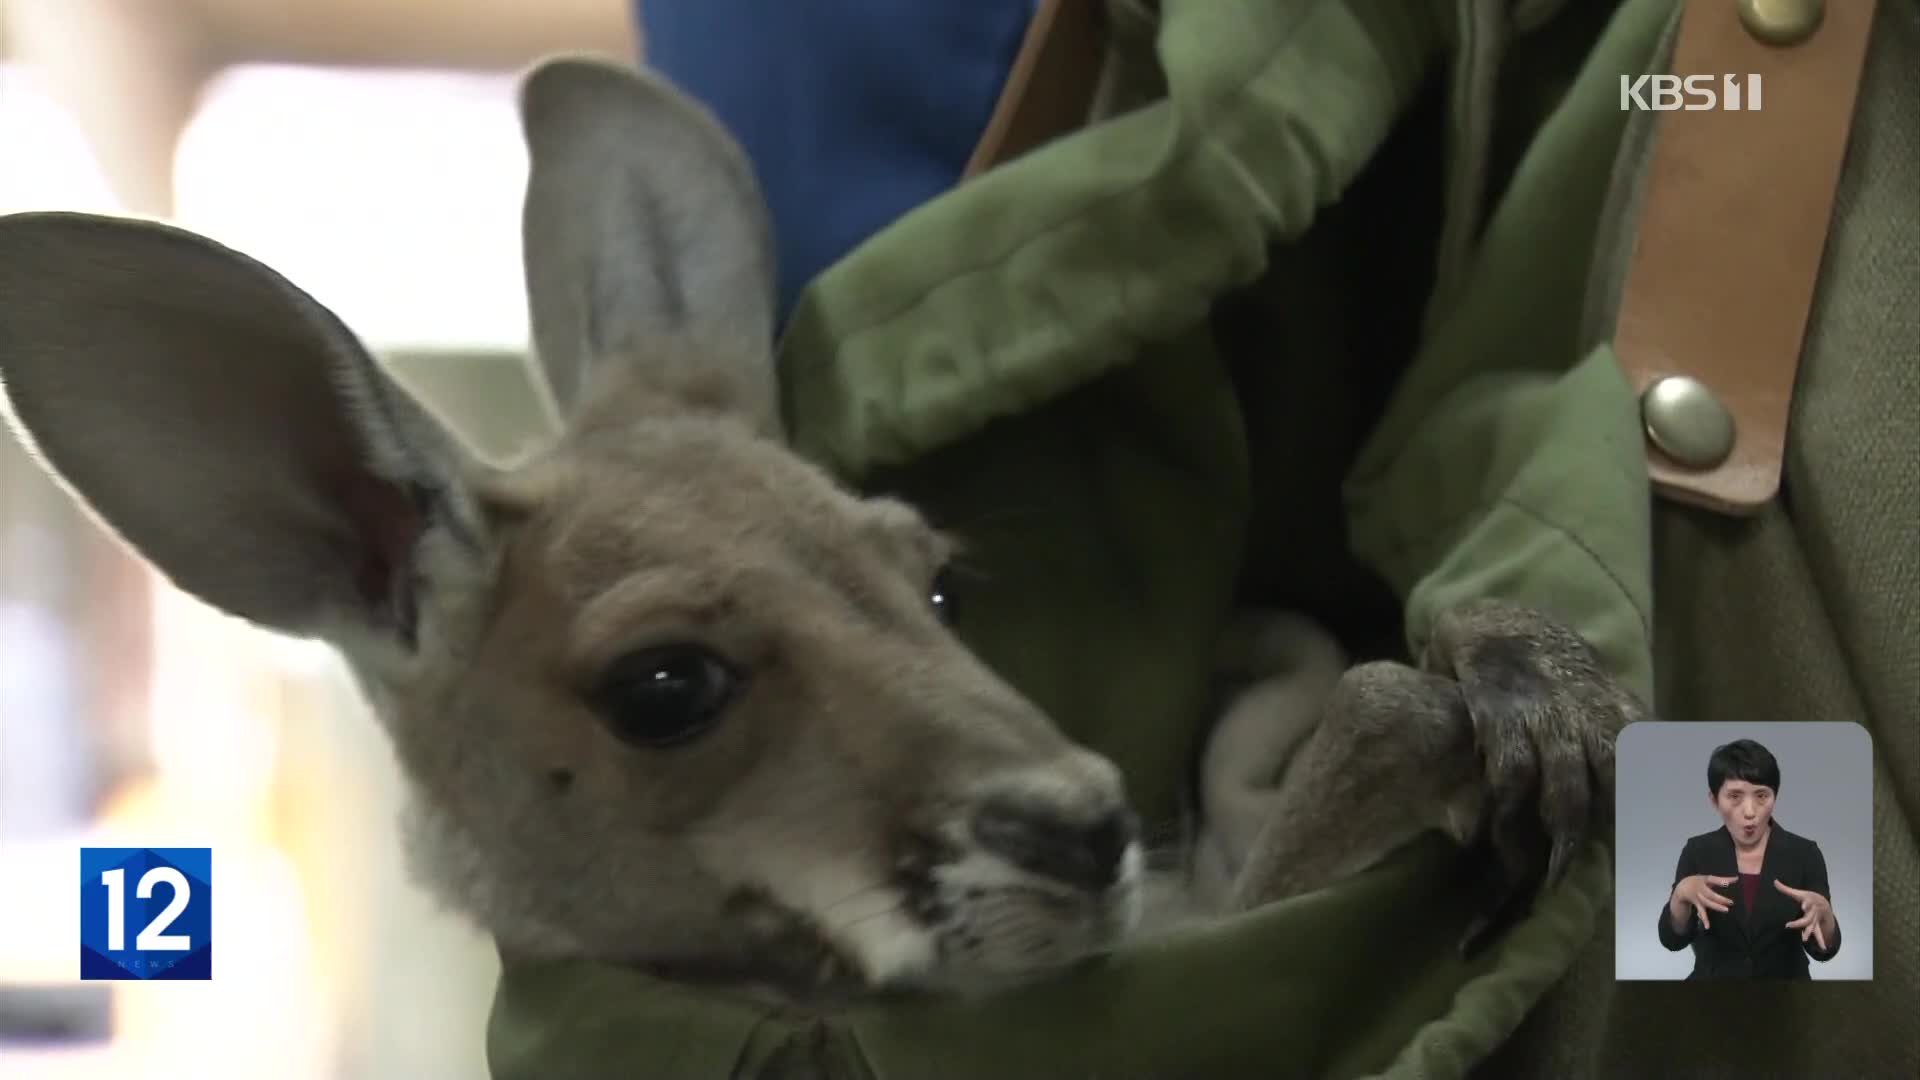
[(1782, 22), (1687, 422)]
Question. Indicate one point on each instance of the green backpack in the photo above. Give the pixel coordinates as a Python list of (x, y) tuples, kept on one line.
[(1786, 584), (1161, 363), (1319, 309)]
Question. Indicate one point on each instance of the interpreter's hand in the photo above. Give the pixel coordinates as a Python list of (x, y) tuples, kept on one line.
[(1816, 914), (1698, 893)]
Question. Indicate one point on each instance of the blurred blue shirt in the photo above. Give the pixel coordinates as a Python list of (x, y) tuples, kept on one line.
[(853, 112)]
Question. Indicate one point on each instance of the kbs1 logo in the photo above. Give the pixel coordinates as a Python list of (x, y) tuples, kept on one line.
[(1692, 93), (146, 913)]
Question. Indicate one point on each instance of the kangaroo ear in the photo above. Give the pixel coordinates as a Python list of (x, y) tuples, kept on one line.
[(226, 425), (645, 237)]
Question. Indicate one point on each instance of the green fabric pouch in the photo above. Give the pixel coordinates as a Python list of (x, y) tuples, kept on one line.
[(1800, 611), (1030, 359)]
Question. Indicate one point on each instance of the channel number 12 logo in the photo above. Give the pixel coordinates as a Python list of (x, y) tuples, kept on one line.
[(146, 913)]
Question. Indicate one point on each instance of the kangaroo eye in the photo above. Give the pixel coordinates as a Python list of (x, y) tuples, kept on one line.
[(665, 695), (940, 596)]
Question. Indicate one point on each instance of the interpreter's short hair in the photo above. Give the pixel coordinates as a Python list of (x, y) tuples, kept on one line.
[(1742, 759)]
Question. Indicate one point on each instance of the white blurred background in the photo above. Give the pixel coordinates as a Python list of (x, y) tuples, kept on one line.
[(367, 149)]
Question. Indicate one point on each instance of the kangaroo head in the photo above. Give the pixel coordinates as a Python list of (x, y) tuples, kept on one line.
[(663, 692)]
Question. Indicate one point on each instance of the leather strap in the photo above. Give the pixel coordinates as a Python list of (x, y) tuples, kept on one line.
[(1731, 233), (1050, 89)]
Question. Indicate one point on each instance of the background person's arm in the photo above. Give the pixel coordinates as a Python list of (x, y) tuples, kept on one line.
[(1677, 928)]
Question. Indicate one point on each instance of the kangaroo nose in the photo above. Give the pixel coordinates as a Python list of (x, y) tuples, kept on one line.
[(1085, 855)]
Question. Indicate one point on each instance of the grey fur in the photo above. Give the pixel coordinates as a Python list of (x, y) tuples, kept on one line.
[(616, 154), (816, 841)]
